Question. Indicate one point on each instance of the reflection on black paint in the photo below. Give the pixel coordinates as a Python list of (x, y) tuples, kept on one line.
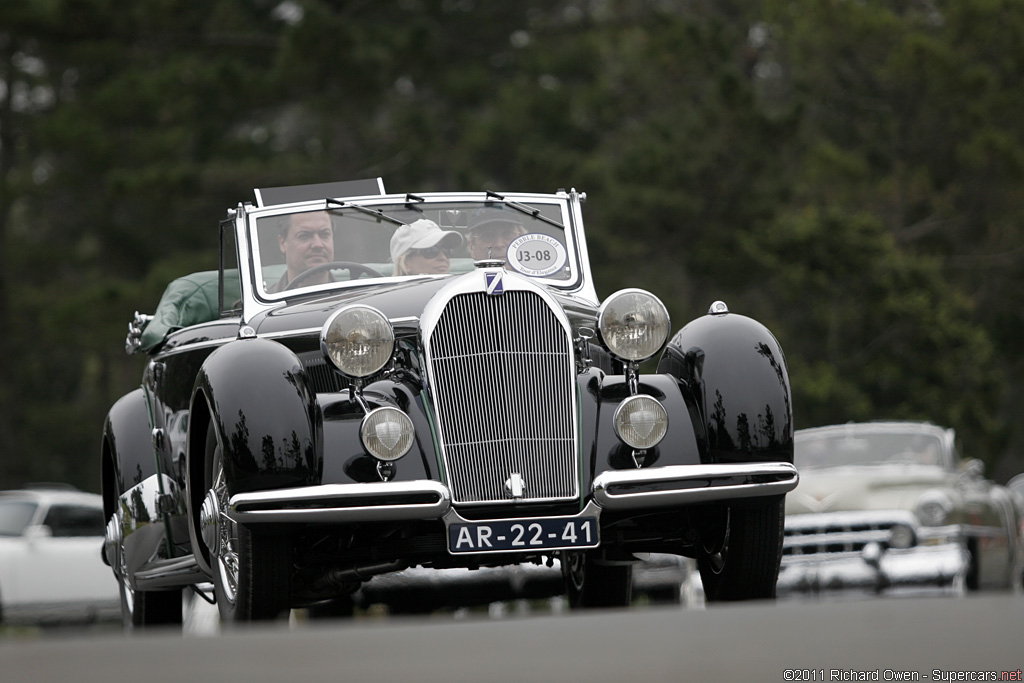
[(269, 456), (240, 445), (721, 437), (743, 432), (293, 453), (305, 460), (765, 351), (139, 511), (765, 433)]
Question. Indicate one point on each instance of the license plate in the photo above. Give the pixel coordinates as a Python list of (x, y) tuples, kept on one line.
[(543, 533)]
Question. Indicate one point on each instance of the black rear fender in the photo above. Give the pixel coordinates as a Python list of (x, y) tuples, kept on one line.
[(126, 451)]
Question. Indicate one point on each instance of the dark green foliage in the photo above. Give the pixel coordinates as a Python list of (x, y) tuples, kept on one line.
[(848, 173)]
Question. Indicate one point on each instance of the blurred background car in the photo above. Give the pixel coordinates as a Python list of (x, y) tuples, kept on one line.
[(50, 565), (888, 506)]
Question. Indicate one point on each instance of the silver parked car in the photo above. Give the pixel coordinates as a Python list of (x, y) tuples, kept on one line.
[(50, 564), (888, 506)]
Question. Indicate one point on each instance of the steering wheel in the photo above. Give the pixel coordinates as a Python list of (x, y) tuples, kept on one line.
[(354, 270)]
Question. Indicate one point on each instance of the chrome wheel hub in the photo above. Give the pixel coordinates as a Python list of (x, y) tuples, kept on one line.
[(209, 522)]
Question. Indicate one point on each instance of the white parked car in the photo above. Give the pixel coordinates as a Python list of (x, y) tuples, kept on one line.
[(50, 564)]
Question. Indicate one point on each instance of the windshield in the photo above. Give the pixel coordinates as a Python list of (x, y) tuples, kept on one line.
[(340, 241), (843, 449), (15, 515)]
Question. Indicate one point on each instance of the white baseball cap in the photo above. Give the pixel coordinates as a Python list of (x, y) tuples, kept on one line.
[(422, 234)]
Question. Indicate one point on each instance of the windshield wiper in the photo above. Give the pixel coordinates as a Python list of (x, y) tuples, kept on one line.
[(377, 213), (528, 210)]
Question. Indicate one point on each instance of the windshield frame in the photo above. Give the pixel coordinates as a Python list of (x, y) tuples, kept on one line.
[(563, 206)]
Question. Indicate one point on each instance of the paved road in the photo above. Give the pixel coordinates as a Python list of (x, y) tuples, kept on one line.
[(895, 639)]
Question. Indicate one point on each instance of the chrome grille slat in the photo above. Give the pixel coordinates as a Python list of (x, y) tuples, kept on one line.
[(509, 355), (833, 533)]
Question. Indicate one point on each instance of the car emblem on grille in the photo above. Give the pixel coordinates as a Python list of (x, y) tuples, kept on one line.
[(494, 282), (515, 485)]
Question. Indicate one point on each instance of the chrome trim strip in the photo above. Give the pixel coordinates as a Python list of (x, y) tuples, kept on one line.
[(306, 332), (686, 484), (341, 503), (844, 518), (170, 573)]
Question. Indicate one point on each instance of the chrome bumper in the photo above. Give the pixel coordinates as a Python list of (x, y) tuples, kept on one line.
[(614, 490), (939, 567), (341, 503), (686, 484)]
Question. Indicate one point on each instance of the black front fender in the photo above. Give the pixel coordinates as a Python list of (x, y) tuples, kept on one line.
[(263, 406), (736, 373)]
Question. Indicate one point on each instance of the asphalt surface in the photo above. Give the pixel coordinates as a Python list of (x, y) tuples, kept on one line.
[(972, 638)]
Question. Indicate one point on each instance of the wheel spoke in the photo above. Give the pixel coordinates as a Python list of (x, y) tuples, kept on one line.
[(227, 557)]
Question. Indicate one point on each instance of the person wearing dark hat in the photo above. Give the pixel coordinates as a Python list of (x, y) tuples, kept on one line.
[(423, 248), (490, 233)]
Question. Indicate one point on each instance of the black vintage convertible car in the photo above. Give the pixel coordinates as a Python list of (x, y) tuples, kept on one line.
[(375, 383)]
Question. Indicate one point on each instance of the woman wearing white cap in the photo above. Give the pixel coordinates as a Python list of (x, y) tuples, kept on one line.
[(423, 248)]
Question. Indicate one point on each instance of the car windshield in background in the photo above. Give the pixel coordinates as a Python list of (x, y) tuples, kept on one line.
[(839, 450), (15, 515), (345, 241)]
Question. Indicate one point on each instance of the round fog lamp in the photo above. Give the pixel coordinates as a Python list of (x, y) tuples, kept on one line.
[(901, 536), (387, 433), (633, 324), (358, 339), (641, 422)]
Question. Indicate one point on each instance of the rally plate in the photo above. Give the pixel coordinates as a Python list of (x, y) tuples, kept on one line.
[(522, 535)]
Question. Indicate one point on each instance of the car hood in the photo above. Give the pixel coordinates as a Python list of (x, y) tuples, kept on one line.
[(396, 300), (881, 487)]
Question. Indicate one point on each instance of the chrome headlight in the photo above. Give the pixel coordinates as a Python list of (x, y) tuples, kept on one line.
[(358, 339), (387, 433), (901, 536), (633, 324), (641, 422), (934, 508)]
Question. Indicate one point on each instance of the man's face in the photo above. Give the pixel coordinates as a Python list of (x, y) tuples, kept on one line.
[(491, 241), (309, 242)]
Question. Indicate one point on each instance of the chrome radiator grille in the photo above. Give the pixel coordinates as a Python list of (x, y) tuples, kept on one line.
[(839, 532), (504, 391)]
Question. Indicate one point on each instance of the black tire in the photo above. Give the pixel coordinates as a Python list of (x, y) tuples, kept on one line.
[(972, 580), (589, 583), (740, 552), (147, 609), (252, 571)]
